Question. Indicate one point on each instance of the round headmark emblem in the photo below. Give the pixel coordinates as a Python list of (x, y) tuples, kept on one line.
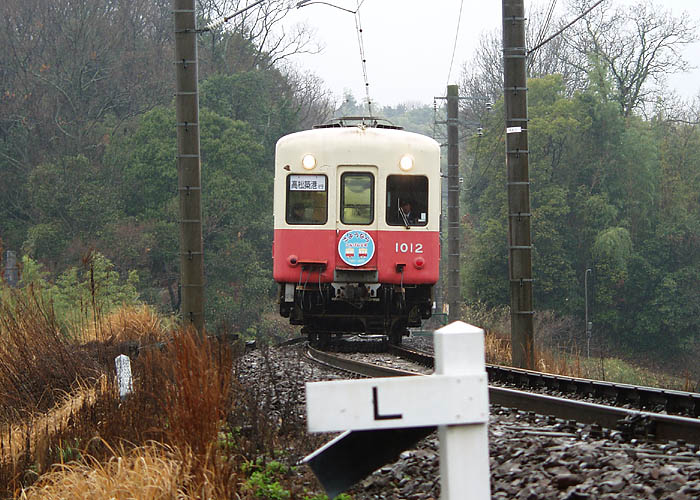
[(356, 248)]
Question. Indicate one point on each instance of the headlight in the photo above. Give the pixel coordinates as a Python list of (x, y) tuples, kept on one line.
[(308, 162), (406, 163)]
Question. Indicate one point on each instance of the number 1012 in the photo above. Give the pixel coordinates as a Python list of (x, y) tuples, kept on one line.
[(409, 247)]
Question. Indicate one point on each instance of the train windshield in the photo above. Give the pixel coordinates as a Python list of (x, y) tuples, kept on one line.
[(356, 198), (307, 199), (407, 200)]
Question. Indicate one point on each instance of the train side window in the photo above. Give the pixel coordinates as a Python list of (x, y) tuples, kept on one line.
[(357, 198), (307, 199), (406, 200)]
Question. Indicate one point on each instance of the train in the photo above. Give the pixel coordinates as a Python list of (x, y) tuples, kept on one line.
[(356, 250)]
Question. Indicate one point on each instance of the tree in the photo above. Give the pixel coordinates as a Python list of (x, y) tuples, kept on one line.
[(72, 65), (264, 99), (68, 202), (313, 101), (255, 39), (635, 47)]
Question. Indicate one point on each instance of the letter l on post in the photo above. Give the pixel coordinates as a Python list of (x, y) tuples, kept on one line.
[(464, 449)]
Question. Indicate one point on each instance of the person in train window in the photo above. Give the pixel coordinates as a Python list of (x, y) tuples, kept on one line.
[(298, 213), (406, 215)]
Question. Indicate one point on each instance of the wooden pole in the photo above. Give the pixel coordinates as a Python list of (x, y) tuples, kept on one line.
[(188, 164), (453, 284), (518, 182)]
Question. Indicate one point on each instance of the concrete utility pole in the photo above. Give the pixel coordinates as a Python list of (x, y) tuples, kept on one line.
[(518, 181), (188, 164), (11, 273), (453, 285)]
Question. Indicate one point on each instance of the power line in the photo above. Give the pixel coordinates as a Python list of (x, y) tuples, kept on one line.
[(565, 28), (547, 21), (454, 47), (216, 24), (358, 27)]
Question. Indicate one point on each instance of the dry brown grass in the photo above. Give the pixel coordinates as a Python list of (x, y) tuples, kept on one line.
[(38, 363), (58, 393), (190, 381), (140, 324), (555, 350), (151, 472)]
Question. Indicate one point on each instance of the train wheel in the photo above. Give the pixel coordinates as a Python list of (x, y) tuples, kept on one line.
[(396, 333)]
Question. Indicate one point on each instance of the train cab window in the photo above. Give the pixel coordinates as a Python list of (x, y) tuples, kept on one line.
[(407, 200), (357, 198), (307, 199)]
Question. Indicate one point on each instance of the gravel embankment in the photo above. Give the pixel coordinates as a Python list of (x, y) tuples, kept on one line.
[(531, 457)]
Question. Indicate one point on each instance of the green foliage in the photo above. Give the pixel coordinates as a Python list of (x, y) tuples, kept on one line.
[(33, 274), (613, 247), (342, 496), (263, 481), (553, 272), (486, 264), (145, 157), (609, 192), (236, 209), (263, 99), (78, 296)]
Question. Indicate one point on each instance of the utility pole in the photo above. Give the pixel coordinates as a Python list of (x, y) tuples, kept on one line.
[(518, 185), (11, 273), (189, 165), (453, 285), (589, 326)]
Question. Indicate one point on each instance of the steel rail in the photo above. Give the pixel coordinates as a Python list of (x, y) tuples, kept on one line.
[(631, 423), (672, 401), (355, 367)]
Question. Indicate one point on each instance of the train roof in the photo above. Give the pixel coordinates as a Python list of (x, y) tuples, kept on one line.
[(359, 121), (355, 132)]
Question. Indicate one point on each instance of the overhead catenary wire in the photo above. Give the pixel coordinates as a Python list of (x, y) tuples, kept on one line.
[(454, 47), (544, 28), (583, 14), (360, 41)]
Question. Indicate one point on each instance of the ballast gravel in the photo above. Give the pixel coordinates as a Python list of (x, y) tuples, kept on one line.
[(531, 457)]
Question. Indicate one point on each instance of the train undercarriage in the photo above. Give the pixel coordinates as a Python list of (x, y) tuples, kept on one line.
[(334, 309)]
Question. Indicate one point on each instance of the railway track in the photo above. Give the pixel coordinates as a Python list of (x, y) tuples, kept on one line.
[(631, 423)]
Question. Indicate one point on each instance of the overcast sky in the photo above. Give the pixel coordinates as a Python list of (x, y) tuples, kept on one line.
[(408, 45)]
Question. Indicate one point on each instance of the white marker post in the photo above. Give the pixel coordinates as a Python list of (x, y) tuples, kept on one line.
[(455, 399), (123, 366), (464, 449)]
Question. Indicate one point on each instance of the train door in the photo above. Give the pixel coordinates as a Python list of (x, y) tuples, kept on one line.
[(356, 223)]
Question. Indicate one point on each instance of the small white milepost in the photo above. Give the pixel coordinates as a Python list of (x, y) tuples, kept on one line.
[(123, 366), (455, 399)]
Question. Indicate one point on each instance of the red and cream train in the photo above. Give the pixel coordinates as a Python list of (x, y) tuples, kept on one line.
[(356, 228)]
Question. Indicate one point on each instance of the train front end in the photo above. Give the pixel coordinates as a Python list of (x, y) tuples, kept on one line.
[(356, 229)]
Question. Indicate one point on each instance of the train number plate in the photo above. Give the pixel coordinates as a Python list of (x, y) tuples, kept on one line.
[(409, 247)]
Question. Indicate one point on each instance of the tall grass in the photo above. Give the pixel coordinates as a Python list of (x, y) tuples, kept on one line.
[(151, 472), (560, 349), (195, 416), (129, 323), (190, 381), (38, 364)]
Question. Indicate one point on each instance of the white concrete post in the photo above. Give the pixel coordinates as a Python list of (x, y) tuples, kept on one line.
[(464, 449), (123, 365)]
